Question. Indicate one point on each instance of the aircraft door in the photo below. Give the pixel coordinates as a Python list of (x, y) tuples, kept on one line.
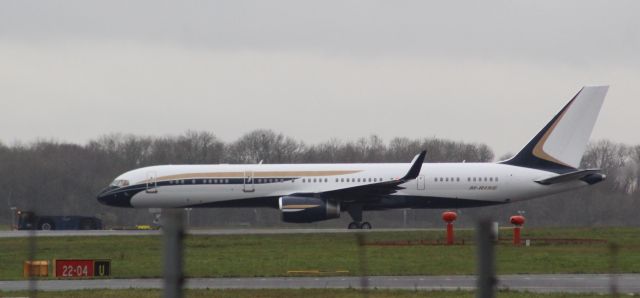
[(248, 182), (152, 182), (421, 182)]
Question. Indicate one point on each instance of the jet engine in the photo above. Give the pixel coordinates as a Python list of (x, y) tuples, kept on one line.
[(594, 178), (304, 209)]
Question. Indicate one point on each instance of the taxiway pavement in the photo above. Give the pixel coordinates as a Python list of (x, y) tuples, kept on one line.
[(576, 283)]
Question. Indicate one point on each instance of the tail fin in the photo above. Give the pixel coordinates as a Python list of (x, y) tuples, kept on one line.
[(559, 146)]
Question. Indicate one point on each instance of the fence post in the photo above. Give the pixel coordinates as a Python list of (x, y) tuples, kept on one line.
[(486, 281), (173, 228)]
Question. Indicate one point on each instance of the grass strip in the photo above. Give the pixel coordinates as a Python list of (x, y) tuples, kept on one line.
[(336, 254)]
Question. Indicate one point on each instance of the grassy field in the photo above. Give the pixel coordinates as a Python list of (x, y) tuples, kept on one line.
[(275, 255), (347, 293)]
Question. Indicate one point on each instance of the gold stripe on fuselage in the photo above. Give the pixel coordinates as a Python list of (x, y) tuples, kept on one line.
[(256, 174)]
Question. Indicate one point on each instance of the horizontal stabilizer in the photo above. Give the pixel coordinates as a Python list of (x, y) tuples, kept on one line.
[(591, 174)]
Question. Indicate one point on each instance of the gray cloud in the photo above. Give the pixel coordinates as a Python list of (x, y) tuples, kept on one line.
[(314, 70), (549, 31)]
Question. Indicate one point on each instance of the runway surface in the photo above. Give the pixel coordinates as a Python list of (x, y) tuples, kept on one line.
[(577, 283), (10, 234)]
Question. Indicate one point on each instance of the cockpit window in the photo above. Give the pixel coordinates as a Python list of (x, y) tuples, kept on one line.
[(120, 183)]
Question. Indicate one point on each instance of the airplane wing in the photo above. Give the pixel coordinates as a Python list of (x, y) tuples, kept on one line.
[(576, 175), (374, 189)]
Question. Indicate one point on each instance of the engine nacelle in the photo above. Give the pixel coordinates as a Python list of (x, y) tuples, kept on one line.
[(594, 178), (303, 209)]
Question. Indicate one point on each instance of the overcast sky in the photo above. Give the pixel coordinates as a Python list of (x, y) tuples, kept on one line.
[(476, 71)]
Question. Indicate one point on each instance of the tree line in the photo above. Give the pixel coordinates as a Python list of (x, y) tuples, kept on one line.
[(58, 178)]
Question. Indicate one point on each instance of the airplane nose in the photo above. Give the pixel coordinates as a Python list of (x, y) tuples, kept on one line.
[(112, 197)]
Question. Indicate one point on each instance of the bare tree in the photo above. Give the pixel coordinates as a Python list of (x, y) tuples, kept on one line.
[(612, 158), (62, 178), (264, 145)]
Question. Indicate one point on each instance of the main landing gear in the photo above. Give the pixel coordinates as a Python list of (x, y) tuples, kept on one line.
[(359, 225), (355, 211)]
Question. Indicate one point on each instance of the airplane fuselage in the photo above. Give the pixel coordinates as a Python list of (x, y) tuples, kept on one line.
[(439, 185)]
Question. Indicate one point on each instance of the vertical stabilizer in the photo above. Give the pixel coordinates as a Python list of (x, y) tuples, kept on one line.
[(559, 146)]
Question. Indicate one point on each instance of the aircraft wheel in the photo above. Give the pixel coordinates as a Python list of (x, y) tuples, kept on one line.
[(88, 224), (353, 226), (46, 226), (365, 226)]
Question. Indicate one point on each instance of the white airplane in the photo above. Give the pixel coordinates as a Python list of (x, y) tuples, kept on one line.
[(548, 164)]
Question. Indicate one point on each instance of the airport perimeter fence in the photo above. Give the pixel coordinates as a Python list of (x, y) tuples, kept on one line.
[(173, 258)]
